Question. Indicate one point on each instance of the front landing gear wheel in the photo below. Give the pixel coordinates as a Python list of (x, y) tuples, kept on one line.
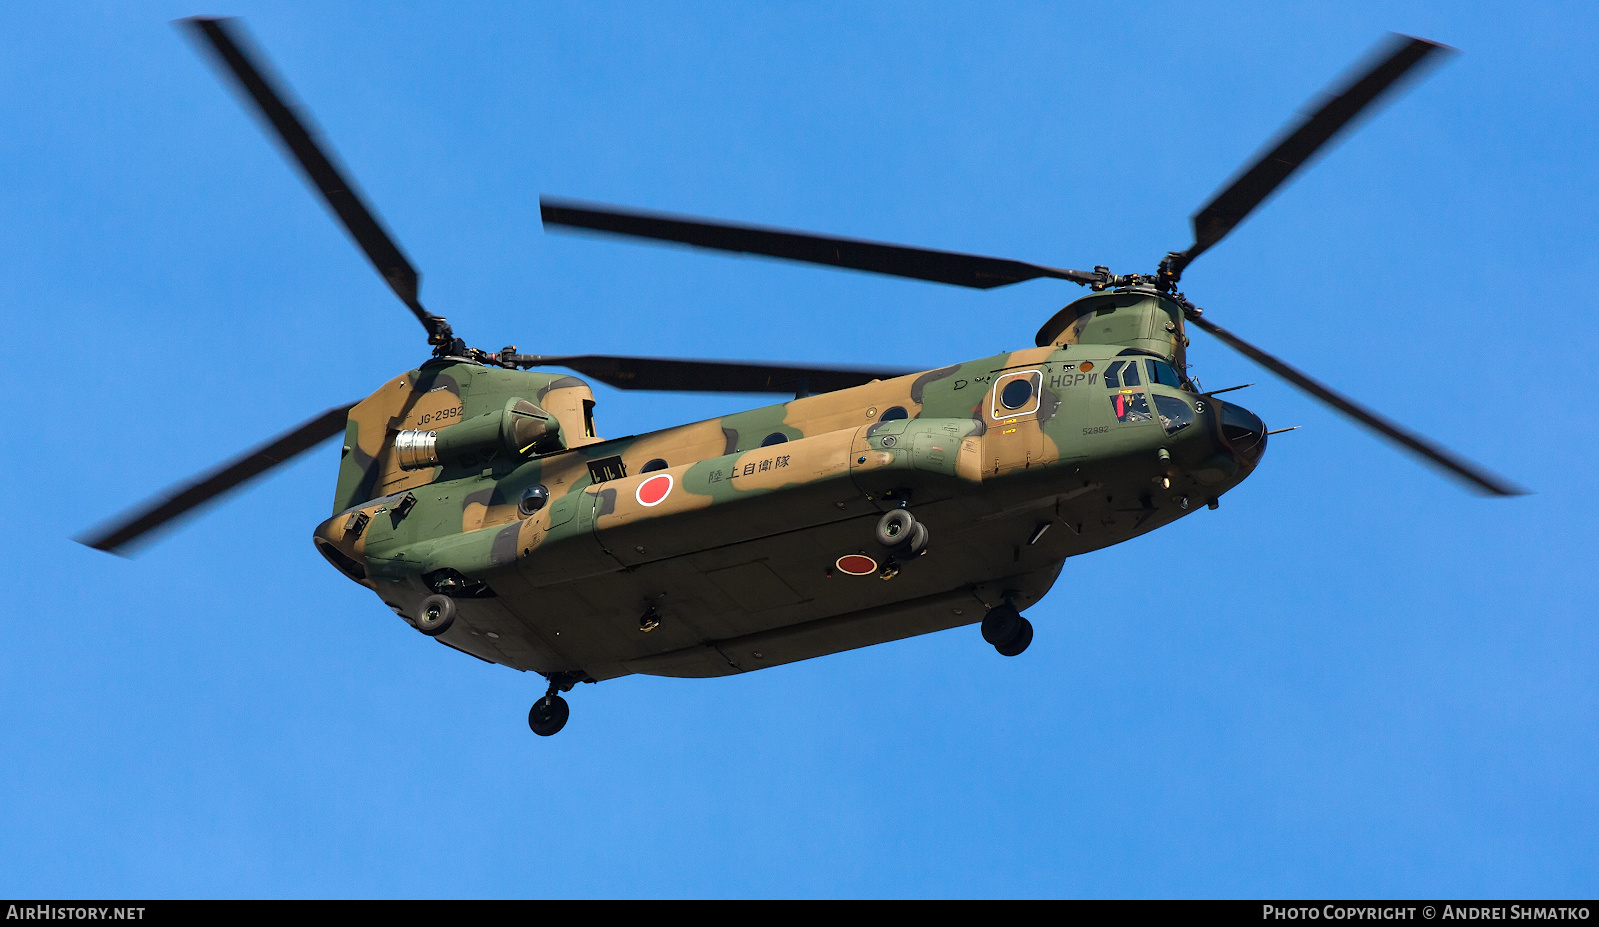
[(1002, 623), (436, 615), (1014, 646), (548, 715)]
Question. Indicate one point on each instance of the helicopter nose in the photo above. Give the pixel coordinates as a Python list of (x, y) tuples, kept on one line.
[(1243, 431)]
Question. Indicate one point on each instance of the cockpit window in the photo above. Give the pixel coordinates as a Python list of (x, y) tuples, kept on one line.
[(1131, 406), (1175, 415), (1122, 373), (1162, 373)]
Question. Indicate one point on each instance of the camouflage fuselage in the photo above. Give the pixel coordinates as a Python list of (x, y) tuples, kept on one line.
[(737, 550)]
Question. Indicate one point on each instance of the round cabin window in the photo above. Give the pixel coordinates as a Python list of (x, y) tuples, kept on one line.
[(776, 437), (1016, 393), (893, 413), (533, 499), (652, 466)]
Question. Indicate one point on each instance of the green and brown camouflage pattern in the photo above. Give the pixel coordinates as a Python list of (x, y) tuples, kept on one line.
[(1129, 319), (738, 560)]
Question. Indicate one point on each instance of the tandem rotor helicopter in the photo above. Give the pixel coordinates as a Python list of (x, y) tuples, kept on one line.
[(477, 500)]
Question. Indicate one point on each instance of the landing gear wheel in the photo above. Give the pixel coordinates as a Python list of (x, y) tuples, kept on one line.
[(918, 542), (436, 615), (1002, 623), (1014, 646), (548, 715), (895, 527), (1007, 630)]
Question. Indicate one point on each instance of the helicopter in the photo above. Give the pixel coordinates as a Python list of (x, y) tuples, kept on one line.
[(477, 500)]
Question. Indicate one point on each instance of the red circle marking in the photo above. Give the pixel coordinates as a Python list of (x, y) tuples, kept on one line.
[(857, 565), (654, 490)]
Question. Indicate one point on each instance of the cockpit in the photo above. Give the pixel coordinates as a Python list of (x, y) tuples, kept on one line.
[(1131, 402)]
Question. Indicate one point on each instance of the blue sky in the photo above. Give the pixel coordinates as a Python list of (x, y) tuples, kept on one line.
[(1353, 679)]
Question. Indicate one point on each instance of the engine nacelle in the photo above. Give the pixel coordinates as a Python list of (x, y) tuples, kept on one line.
[(521, 429)]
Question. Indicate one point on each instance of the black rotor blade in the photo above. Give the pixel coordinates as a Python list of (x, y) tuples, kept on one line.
[(711, 376), (1472, 474), (227, 40), (1399, 57), (895, 260), (117, 536)]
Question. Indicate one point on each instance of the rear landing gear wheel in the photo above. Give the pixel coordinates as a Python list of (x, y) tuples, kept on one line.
[(1007, 630), (436, 615), (548, 715), (903, 535)]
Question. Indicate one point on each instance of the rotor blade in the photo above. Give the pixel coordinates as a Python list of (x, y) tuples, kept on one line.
[(227, 40), (1458, 466), (895, 260), (116, 536), (1399, 57), (711, 376)]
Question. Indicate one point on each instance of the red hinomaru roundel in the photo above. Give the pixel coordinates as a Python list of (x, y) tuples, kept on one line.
[(654, 490), (856, 565)]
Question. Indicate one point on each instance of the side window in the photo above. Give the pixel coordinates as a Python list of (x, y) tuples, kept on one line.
[(1174, 413), (1130, 405), (1016, 394)]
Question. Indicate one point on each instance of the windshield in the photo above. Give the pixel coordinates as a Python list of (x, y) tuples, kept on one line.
[(1162, 373), (1136, 373)]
